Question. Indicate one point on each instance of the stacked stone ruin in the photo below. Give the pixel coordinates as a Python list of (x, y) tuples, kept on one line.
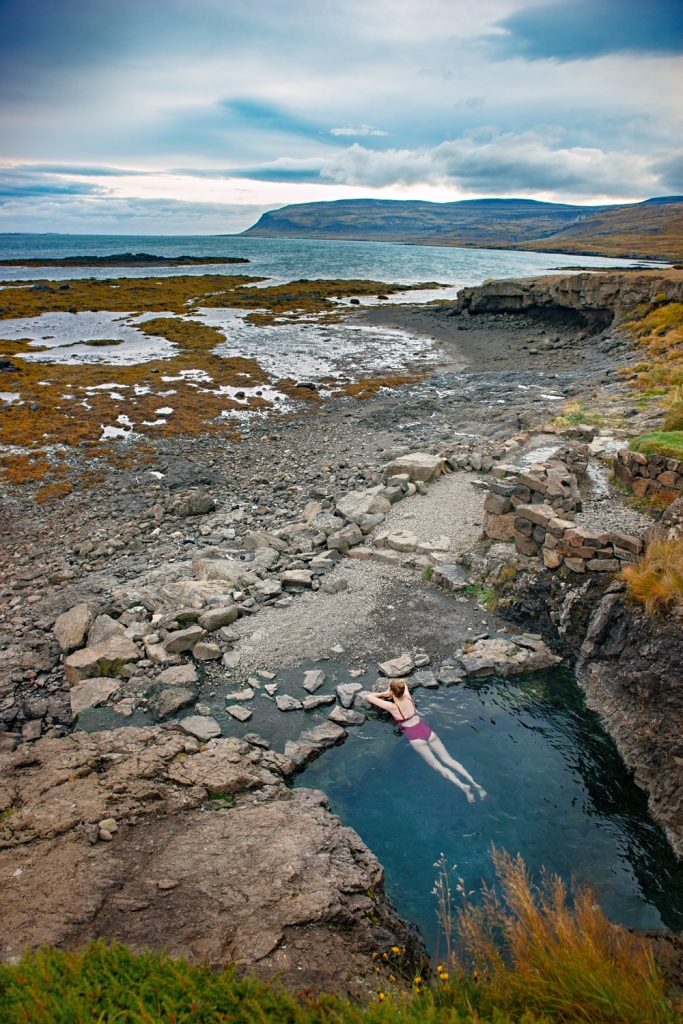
[(648, 474), (535, 508)]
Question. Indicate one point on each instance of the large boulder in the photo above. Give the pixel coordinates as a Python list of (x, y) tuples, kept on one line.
[(71, 628), (355, 505), (193, 503), (419, 466), (105, 659), (507, 656), (104, 628), (230, 571)]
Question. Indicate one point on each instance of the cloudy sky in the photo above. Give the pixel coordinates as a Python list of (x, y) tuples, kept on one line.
[(194, 116)]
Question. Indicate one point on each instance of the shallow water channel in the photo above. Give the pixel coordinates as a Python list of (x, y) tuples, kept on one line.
[(558, 792)]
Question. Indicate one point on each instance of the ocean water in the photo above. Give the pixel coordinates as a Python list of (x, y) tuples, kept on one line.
[(286, 259)]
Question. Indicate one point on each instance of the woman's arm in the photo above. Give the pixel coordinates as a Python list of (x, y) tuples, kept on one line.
[(385, 705)]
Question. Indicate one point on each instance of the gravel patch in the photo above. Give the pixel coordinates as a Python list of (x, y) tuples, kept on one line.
[(453, 507), (316, 621), (610, 514)]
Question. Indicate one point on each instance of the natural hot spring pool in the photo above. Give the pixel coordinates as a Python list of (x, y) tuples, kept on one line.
[(558, 794)]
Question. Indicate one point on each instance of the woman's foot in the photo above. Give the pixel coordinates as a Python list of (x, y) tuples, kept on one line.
[(469, 794), (482, 792)]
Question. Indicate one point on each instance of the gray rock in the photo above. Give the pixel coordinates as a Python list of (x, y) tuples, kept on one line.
[(231, 659), (502, 656), (449, 675), (287, 703), (335, 586), (313, 680), (267, 589), (323, 699), (201, 727), (239, 712), (184, 639), (171, 700), (397, 667), (246, 694), (90, 693), (296, 578), (70, 628), (313, 741), (418, 465), (217, 617), (402, 540), (206, 651), (357, 504), (104, 628), (424, 678), (344, 716), (178, 675), (255, 740), (452, 578), (346, 692), (192, 503)]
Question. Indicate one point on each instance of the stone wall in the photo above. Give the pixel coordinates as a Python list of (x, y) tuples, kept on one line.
[(535, 509), (648, 474)]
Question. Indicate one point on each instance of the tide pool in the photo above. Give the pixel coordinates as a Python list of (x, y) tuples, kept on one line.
[(558, 794)]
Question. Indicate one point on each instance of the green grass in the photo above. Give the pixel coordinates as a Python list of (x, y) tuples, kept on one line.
[(485, 596), (660, 442)]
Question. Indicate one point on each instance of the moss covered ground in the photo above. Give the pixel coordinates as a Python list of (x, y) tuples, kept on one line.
[(67, 405)]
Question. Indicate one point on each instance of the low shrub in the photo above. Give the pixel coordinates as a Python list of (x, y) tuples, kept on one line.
[(674, 418)]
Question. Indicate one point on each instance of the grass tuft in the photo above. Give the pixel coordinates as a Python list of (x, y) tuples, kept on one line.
[(533, 951), (656, 579), (660, 442)]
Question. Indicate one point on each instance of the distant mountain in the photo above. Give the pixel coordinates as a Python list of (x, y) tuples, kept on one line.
[(653, 229)]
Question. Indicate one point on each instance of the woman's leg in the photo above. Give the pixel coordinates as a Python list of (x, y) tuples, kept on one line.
[(437, 746), (422, 748)]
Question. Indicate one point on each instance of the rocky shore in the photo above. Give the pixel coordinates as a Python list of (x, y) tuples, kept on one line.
[(222, 563)]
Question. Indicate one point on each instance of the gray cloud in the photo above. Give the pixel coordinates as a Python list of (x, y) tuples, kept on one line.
[(583, 29), (504, 165), (107, 215)]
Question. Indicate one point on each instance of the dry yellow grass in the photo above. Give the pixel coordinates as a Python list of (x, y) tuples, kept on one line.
[(656, 580), (534, 951)]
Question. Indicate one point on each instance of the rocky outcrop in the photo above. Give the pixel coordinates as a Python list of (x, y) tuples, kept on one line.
[(147, 837), (600, 296), (631, 668)]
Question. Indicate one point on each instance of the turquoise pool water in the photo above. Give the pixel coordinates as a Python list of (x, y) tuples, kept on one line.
[(558, 794)]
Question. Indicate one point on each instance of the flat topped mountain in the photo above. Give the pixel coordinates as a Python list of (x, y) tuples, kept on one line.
[(653, 229)]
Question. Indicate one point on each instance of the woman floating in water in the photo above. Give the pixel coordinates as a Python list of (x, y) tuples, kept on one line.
[(401, 706)]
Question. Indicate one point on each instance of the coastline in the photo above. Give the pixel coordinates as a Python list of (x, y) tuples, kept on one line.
[(273, 472)]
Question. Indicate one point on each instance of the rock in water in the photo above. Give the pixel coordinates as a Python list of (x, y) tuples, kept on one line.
[(397, 667), (201, 727), (342, 716), (239, 712), (286, 703), (347, 693), (313, 680), (90, 693)]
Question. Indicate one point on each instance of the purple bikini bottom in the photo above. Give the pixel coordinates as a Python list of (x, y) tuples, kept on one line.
[(419, 731)]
